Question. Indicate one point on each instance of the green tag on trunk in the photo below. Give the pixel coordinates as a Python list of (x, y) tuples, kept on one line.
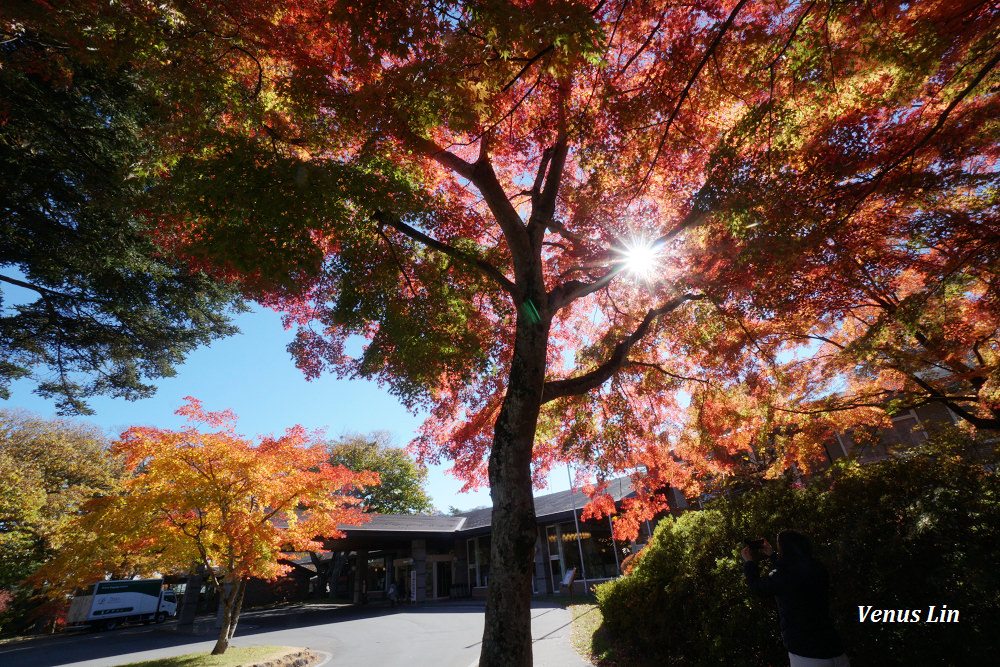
[(529, 311)]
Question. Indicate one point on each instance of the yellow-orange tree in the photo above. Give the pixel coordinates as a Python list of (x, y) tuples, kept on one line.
[(214, 498)]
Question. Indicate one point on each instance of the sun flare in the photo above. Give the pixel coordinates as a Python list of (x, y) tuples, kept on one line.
[(640, 259)]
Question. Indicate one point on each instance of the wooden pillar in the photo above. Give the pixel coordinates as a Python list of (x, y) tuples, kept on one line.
[(420, 567), (360, 574)]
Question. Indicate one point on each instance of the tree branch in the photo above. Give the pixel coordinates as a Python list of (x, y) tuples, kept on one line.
[(571, 290), (506, 216), (484, 178), (484, 267), (975, 420), (543, 165), (619, 356), (687, 88), (645, 44), (402, 269), (560, 229), (877, 179), (526, 67), (44, 291), (543, 204), (663, 370), (441, 155)]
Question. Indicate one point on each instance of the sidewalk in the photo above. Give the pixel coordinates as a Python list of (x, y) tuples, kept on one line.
[(553, 648)]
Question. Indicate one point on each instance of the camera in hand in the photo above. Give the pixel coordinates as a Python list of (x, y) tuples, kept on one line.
[(757, 543)]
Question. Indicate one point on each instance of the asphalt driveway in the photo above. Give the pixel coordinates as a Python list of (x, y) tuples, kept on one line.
[(430, 635)]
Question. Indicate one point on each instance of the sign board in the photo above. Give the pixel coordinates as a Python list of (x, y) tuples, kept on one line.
[(570, 576)]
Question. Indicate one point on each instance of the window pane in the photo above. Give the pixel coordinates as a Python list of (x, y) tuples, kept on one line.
[(555, 562), (553, 538), (570, 550), (597, 546), (375, 579), (904, 433), (483, 556), (599, 551)]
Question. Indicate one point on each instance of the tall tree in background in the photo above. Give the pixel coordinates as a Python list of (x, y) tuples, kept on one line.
[(48, 470), (465, 184), (401, 480), (214, 498), (92, 305)]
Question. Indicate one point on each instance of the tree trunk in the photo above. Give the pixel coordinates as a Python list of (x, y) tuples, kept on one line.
[(237, 606), (232, 603), (507, 635), (222, 643)]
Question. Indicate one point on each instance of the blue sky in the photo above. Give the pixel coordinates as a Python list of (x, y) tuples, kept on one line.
[(252, 374)]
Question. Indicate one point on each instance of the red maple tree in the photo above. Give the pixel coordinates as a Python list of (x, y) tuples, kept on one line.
[(471, 186)]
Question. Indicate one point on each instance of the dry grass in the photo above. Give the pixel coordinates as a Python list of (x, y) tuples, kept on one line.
[(235, 656), (594, 643)]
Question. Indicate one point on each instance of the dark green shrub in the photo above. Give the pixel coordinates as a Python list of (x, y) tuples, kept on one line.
[(903, 533)]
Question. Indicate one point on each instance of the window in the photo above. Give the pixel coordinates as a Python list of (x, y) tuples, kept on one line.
[(905, 433), (646, 530), (375, 577), (596, 543), (479, 560), (555, 554), (874, 443)]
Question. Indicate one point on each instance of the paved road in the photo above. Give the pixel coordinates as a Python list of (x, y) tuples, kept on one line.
[(432, 635)]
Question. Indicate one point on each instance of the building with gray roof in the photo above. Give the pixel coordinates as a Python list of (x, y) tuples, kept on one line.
[(441, 557)]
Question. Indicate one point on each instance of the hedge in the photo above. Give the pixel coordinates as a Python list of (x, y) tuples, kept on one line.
[(902, 533)]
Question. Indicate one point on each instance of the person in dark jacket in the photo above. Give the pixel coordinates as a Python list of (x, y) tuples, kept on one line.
[(801, 586)]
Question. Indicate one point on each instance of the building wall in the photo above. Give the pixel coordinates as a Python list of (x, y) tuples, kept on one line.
[(290, 588), (909, 428)]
